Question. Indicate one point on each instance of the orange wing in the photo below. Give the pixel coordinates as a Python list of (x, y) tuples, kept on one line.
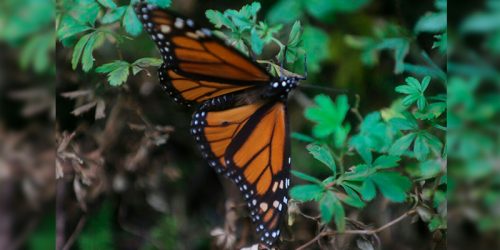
[(197, 65), (251, 145)]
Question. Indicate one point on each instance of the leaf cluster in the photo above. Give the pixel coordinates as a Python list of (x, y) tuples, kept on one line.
[(118, 71), (247, 34), (409, 131)]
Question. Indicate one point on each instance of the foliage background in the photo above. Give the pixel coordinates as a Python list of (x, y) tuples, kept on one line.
[(372, 150)]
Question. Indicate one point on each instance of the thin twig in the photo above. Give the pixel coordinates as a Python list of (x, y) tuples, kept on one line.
[(79, 227), (367, 232), (355, 108)]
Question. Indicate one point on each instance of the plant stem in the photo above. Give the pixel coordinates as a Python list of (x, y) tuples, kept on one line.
[(367, 232), (355, 109)]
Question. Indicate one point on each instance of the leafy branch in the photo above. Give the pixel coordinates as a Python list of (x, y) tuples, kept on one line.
[(247, 34)]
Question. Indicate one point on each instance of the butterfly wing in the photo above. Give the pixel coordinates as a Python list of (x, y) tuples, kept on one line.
[(197, 65), (251, 145)]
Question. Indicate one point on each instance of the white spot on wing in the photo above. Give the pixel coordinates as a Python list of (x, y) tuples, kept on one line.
[(179, 23), (165, 29), (276, 204)]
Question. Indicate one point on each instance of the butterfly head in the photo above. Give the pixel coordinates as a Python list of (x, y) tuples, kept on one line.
[(281, 87)]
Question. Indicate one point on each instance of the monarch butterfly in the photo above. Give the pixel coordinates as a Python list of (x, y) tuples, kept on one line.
[(241, 122)]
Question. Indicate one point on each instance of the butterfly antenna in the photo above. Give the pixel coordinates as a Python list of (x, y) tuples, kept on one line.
[(327, 89), (305, 68)]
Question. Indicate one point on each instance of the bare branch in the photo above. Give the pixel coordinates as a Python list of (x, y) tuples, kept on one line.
[(366, 232), (79, 227)]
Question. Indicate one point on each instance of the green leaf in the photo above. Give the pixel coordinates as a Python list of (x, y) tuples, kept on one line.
[(349, 6), (143, 63), (386, 161), (219, 20), (250, 10), (293, 10), (85, 12), (268, 32), (256, 42), (441, 4), (114, 15), (326, 9), (401, 145), (481, 22), (131, 23), (421, 149), (339, 216), (294, 37), (326, 206), (330, 206), (70, 27), (431, 111), (340, 135), (119, 76), (87, 57), (118, 72), (27, 52), (306, 177), (362, 144), (410, 99), (352, 198), (302, 137), (148, 62), (432, 23), (323, 154), (429, 169), (321, 8), (107, 3), (327, 115), (437, 223), (405, 89), (136, 69), (36, 52), (413, 82), (403, 123), (77, 51), (392, 185), (368, 190), (421, 103), (108, 67), (425, 83), (306, 192), (161, 3), (441, 43), (433, 141)]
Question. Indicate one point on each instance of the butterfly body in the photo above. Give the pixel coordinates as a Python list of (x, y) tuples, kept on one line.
[(240, 123)]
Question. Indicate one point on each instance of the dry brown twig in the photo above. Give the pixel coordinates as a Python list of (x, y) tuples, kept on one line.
[(79, 227), (366, 232)]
